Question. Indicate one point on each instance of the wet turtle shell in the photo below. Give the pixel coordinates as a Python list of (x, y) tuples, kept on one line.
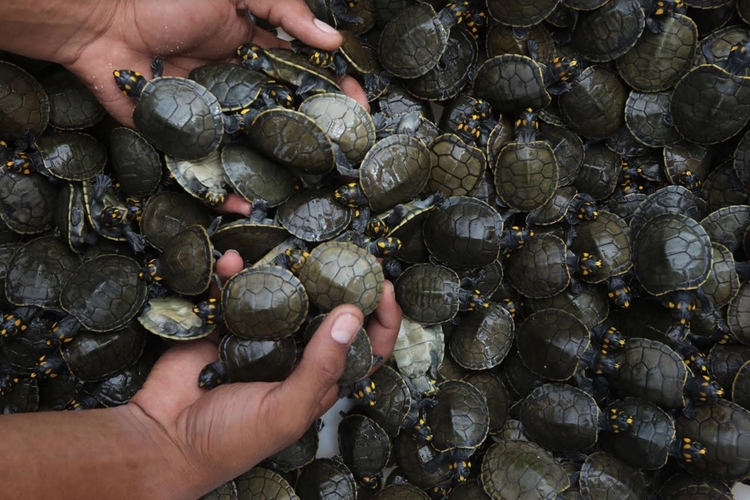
[(607, 239), (187, 261), (671, 252), (264, 303), (251, 238), (724, 429), (727, 226), (166, 214), (359, 359), (520, 13), (254, 177), (314, 215), (394, 401), (364, 446), (482, 339), (95, 356), (38, 272), (135, 162), (298, 454), (344, 121), (70, 156), (646, 118), (203, 178), (515, 469), (603, 475), (173, 318), (402, 491), (723, 283), (26, 202), (395, 170), (539, 268), (464, 233), (72, 104), (590, 305), (324, 479), (460, 419), (568, 149), (599, 173), (227, 491), (550, 343), (293, 140), (120, 387), (560, 417), (595, 103), (250, 360), (610, 31), (428, 294), (234, 86), (669, 199), (412, 43), (496, 395), (420, 463), (260, 482), (104, 293), (342, 273), (458, 168), (511, 83), (24, 103)]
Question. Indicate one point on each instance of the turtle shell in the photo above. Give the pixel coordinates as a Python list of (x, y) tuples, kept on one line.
[(723, 428), (203, 178), (395, 170), (520, 13), (297, 70), (723, 283), (250, 238), (595, 103), (526, 175), (458, 168), (741, 386), (710, 104), (263, 303), (359, 359), (72, 104), (38, 271), (420, 463), (364, 446), (608, 239), (400, 491), (428, 294), (298, 454), (187, 261), (603, 475), (24, 103), (464, 233), (234, 86), (27, 202), (560, 417), (724, 360), (652, 371), (669, 199), (293, 140), (418, 352), (685, 156), (671, 252), (568, 149), (71, 156), (460, 419), (342, 273), (483, 339), (590, 305), (259, 482), (227, 491), (659, 60), (326, 479), (166, 214), (645, 445), (550, 343), (104, 293), (520, 469), (599, 173), (610, 31), (255, 177), (346, 123), (250, 360), (496, 395), (135, 162), (727, 226), (412, 43), (314, 215), (173, 318), (646, 118), (394, 401), (539, 268), (512, 83), (180, 117)]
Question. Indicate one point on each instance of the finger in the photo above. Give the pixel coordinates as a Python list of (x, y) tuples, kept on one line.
[(313, 385), (172, 384), (234, 204), (353, 89), (297, 20), (384, 323), (227, 266)]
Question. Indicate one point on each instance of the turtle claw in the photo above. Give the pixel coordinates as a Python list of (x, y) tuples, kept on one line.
[(102, 183)]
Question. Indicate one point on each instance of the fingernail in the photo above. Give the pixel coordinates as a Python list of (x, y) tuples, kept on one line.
[(232, 251), (324, 27), (247, 209), (344, 329)]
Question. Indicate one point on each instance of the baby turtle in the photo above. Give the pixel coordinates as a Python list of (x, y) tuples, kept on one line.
[(365, 448), (203, 178), (109, 216), (173, 318), (179, 116)]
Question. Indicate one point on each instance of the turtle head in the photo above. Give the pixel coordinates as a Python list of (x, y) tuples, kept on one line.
[(472, 300), (12, 325), (251, 55), (131, 83), (280, 94), (293, 259), (619, 293), (377, 227), (697, 361), (604, 364), (7, 383), (364, 390), (663, 7), (19, 164), (682, 304), (209, 311), (113, 216), (510, 305), (371, 482), (151, 271), (618, 421), (48, 366), (691, 450), (527, 126), (587, 211), (212, 375), (384, 246), (214, 197), (739, 57), (482, 108), (421, 431), (706, 389), (322, 58), (63, 331), (589, 263), (475, 20), (349, 195), (454, 12), (565, 69), (469, 129), (612, 339), (135, 208), (689, 180), (461, 468)]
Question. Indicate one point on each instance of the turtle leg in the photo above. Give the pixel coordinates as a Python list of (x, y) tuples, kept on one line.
[(339, 64), (212, 375), (102, 182), (157, 67), (340, 11), (135, 240)]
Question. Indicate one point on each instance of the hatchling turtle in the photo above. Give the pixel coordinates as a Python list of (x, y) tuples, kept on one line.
[(109, 216), (365, 448), (594, 37), (325, 478), (603, 474), (418, 352), (72, 104), (260, 482), (173, 318), (24, 102), (179, 116), (255, 177), (203, 178), (167, 213), (135, 162), (66, 155), (26, 202)]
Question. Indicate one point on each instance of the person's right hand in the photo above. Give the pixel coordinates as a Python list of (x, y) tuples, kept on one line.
[(127, 34)]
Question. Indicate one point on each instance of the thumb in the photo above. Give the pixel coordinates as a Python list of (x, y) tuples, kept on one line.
[(312, 388)]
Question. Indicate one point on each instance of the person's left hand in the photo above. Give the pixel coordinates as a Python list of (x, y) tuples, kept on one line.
[(221, 433)]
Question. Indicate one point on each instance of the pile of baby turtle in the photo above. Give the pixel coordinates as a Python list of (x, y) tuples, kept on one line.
[(569, 242)]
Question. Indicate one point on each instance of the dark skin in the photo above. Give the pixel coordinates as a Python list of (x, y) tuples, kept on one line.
[(172, 440)]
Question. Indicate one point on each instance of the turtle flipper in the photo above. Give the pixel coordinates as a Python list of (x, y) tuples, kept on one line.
[(135, 240)]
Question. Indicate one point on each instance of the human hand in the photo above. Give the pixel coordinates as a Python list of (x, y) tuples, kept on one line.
[(186, 34), (221, 433)]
